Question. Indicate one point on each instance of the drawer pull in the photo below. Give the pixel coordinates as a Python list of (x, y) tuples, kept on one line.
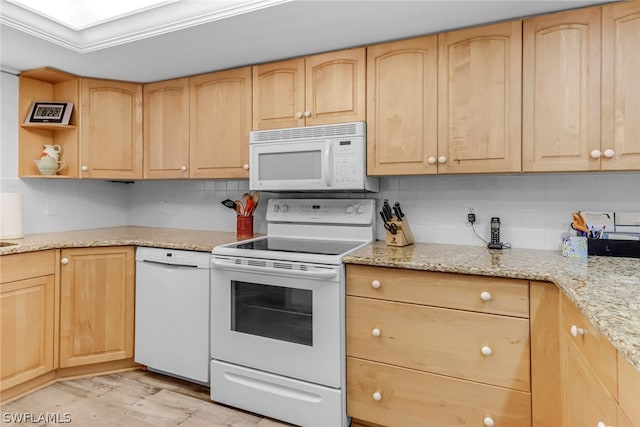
[(64, 261), (377, 396), (375, 332), (485, 296), (602, 424), (375, 284), (488, 421), (486, 350), (576, 332)]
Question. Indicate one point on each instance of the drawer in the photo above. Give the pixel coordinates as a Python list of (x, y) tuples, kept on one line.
[(509, 297), (596, 349), (442, 341), (26, 265), (408, 398)]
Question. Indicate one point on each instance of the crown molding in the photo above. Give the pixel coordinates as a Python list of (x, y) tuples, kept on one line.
[(147, 23)]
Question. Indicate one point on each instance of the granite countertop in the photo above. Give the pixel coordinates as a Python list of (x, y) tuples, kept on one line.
[(606, 289), (170, 238)]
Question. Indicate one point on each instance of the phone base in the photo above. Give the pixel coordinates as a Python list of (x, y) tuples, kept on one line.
[(494, 245)]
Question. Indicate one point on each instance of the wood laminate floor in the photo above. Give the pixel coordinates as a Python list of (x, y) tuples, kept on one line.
[(128, 399)]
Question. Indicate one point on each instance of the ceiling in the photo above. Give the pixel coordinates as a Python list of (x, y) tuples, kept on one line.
[(187, 37)]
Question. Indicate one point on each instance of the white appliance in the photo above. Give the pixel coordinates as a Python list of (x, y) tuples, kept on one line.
[(278, 302), (172, 312), (312, 158)]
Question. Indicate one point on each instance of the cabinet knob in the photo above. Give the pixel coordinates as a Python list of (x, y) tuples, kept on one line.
[(299, 115), (376, 284), (488, 421), (596, 154), (486, 350), (183, 168), (431, 160), (375, 332), (575, 331), (603, 424), (307, 113), (485, 296), (64, 261), (246, 167), (84, 168), (377, 396), (442, 159), (609, 153)]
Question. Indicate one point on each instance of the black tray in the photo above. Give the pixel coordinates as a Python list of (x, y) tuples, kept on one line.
[(616, 248)]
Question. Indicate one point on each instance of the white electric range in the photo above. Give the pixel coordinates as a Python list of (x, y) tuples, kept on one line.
[(277, 311)]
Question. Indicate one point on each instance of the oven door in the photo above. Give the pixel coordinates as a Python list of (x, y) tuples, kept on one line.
[(280, 317), (291, 166)]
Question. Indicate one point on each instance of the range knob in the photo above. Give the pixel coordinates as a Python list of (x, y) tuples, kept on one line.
[(360, 209), (284, 208), (350, 209), (276, 208)]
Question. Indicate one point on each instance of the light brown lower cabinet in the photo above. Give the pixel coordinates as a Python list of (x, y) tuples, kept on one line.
[(439, 360), (27, 310), (96, 305)]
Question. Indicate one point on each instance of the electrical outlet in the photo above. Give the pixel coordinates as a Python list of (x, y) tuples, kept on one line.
[(163, 206), (471, 211)]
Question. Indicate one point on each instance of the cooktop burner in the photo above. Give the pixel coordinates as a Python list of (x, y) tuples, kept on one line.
[(301, 246)]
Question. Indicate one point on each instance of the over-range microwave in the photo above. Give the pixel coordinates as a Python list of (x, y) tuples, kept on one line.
[(311, 158)]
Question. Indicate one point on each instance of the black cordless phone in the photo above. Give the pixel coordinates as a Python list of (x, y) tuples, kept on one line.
[(495, 234)]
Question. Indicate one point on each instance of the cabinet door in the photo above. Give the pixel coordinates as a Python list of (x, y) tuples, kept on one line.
[(586, 400), (96, 305), (166, 129), (220, 124), (621, 86), (402, 104), (479, 99), (335, 87), (26, 329), (278, 95), (111, 129), (561, 91)]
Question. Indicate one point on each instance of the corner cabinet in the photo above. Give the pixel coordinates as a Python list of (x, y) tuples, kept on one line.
[(479, 100), (166, 129), (110, 129), (402, 107), (316, 90), (436, 349), (28, 311), (220, 122), (96, 305)]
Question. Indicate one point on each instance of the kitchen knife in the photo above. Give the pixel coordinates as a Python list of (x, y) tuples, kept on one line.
[(397, 205)]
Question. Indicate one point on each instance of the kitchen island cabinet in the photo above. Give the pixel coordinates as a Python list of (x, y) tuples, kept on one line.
[(97, 293), (321, 89), (28, 311)]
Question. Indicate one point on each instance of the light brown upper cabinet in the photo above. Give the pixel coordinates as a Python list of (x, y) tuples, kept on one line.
[(166, 129), (402, 105), (319, 89), (620, 146), (479, 100), (220, 122), (110, 129), (561, 91)]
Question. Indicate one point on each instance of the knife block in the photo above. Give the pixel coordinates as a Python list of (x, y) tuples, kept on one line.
[(403, 237)]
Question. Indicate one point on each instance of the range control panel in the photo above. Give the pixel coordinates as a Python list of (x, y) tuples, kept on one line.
[(333, 211)]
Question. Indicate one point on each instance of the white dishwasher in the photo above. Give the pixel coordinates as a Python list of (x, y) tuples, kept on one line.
[(172, 312)]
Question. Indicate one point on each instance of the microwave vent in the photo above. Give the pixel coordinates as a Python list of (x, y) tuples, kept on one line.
[(309, 132)]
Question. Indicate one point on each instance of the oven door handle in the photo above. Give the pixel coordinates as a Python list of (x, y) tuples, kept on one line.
[(328, 274)]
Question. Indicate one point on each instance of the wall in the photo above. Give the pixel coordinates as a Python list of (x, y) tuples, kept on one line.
[(534, 209), (53, 204)]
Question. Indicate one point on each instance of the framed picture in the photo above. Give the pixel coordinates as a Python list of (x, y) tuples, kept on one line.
[(50, 112)]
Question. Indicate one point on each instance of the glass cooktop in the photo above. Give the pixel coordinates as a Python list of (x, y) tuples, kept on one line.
[(301, 246)]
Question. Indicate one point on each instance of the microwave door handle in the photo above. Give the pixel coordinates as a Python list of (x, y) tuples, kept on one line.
[(328, 274), (327, 164)]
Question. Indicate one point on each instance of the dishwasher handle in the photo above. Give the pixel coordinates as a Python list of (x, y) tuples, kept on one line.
[(323, 274), (168, 264)]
